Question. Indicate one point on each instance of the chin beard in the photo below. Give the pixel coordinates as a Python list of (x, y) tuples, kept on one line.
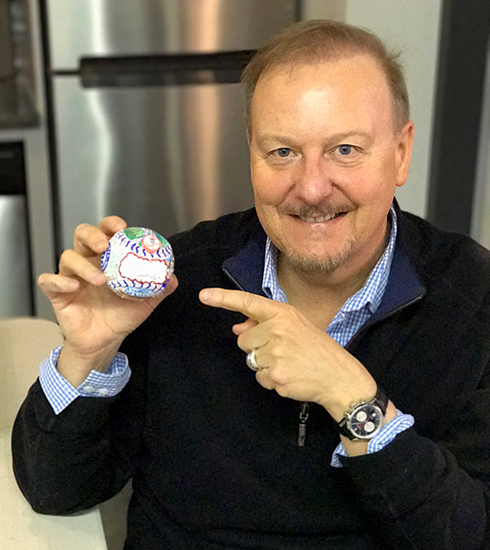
[(312, 264)]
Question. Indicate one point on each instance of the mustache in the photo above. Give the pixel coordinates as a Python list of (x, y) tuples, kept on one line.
[(317, 210)]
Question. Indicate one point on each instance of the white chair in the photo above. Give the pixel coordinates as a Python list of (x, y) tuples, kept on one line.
[(24, 343)]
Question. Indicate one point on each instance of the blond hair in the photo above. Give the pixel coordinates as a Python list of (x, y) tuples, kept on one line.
[(316, 41)]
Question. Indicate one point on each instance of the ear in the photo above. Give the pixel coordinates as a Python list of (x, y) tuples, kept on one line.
[(404, 152), (249, 143)]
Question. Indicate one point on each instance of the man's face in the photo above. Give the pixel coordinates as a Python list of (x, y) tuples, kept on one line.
[(325, 161)]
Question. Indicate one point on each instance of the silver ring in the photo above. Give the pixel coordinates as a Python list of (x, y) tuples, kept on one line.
[(252, 361)]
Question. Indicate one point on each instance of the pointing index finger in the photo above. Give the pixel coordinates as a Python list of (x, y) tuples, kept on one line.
[(257, 307)]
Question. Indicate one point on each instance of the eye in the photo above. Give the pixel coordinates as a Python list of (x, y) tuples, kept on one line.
[(283, 152), (345, 149)]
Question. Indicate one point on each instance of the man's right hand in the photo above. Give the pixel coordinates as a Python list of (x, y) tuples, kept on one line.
[(93, 319)]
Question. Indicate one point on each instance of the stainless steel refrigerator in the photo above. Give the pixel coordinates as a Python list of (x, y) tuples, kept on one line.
[(17, 117), (147, 112)]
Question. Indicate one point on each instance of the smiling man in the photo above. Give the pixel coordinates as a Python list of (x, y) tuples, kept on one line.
[(326, 157), (369, 327)]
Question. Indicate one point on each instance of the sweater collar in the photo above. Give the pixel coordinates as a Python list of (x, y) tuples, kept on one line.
[(246, 268), (404, 287)]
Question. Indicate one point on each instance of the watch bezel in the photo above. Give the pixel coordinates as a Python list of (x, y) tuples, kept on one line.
[(377, 405), (352, 423)]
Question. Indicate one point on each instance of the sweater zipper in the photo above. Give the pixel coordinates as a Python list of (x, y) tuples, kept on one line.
[(305, 406), (303, 419)]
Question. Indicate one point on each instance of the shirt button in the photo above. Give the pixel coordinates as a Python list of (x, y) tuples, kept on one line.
[(102, 392), (88, 389)]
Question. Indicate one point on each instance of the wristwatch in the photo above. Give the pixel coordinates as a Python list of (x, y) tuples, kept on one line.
[(364, 420)]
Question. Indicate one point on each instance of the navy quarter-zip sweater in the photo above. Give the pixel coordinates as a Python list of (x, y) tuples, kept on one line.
[(214, 456)]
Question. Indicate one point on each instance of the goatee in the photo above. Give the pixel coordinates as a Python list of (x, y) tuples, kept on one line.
[(314, 265)]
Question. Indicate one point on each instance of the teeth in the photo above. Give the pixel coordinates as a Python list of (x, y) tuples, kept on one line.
[(320, 219)]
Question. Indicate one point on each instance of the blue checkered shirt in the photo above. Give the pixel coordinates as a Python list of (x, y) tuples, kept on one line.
[(351, 317), (60, 393), (354, 313)]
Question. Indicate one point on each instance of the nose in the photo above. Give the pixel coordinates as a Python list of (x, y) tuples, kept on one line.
[(313, 182)]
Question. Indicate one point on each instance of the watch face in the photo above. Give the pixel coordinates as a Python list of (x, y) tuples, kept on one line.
[(365, 421)]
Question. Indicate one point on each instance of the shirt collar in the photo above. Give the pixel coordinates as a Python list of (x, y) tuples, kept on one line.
[(369, 295)]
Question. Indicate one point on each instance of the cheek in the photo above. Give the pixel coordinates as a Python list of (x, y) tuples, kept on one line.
[(269, 186), (266, 195), (372, 182)]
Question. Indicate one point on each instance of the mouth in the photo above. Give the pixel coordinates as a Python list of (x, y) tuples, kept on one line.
[(320, 219)]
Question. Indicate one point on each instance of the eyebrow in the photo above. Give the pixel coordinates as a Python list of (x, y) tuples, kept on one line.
[(339, 137), (271, 137)]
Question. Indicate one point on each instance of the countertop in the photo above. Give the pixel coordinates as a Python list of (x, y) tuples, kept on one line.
[(23, 529)]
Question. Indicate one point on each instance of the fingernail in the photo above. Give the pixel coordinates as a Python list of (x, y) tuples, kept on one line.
[(205, 295)]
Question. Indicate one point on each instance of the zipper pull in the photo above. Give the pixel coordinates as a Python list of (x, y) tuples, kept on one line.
[(303, 417)]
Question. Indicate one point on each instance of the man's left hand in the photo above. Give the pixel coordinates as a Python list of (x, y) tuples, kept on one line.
[(296, 359)]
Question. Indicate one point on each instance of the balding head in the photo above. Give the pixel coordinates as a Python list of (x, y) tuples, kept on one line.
[(317, 41)]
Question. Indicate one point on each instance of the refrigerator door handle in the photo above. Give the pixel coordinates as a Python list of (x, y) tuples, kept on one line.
[(168, 70)]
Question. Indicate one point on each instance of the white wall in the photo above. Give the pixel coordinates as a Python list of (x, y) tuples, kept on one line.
[(412, 27)]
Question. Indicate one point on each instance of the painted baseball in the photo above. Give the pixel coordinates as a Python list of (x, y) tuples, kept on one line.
[(138, 263)]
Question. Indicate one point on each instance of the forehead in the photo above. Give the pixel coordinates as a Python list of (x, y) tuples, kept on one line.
[(352, 87)]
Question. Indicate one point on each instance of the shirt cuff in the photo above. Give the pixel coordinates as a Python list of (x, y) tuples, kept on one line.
[(60, 393), (384, 437)]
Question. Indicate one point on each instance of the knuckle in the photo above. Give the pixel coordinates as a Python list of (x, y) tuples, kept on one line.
[(81, 230), (42, 280), (172, 285), (285, 312), (282, 391), (241, 342), (263, 380), (66, 256), (277, 353), (112, 222), (279, 332), (248, 301), (280, 377), (47, 282)]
